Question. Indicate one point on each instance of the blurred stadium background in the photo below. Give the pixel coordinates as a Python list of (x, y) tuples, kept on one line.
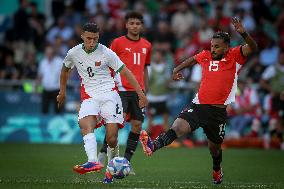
[(177, 29)]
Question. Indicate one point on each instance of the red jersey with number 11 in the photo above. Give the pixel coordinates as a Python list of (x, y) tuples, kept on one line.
[(135, 55), (219, 77)]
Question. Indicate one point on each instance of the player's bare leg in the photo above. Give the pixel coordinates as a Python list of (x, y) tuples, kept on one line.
[(216, 153), (111, 138), (90, 144), (102, 156), (179, 128)]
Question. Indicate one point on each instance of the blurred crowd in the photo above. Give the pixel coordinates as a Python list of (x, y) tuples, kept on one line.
[(177, 29)]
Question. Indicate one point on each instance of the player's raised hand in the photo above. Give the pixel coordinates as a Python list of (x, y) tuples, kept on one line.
[(60, 99), (238, 25), (177, 76)]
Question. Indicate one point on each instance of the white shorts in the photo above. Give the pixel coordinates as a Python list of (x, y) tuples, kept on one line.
[(107, 105)]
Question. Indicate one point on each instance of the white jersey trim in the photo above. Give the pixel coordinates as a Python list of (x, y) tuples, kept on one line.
[(232, 96), (196, 100)]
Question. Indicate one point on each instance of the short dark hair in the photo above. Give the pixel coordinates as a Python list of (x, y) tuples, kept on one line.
[(91, 27), (134, 14), (222, 35)]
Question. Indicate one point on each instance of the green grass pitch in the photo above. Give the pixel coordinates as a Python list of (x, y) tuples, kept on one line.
[(50, 166)]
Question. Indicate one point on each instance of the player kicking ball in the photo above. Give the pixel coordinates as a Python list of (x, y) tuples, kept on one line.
[(96, 65), (220, 69)]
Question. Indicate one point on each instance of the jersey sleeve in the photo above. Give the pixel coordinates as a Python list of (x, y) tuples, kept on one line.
[(200, 56), (68, 62), (148, 56), (113, 61), (239, 57)]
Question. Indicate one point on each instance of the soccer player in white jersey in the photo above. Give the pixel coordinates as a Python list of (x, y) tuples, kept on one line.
[(220, 69), (96, 65)]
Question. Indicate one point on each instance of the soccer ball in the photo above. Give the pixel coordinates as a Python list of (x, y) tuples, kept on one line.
[(119, 167)]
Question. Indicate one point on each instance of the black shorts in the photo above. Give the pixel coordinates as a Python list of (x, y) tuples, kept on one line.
[(130, 104), (211, 118), (158, 108)]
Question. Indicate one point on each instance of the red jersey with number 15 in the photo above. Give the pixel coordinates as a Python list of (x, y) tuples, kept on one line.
[(135, 55), (219, 77)]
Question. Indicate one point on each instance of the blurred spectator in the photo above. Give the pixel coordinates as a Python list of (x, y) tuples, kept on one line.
[(30, 66), (49, 75), (21, 26), (159, 78), (147, 18), (163, 35), (60, 48), (9, 71), (260, 10), (255, 69), (247, 20), (245, 5), (204, 34), (245, 111), (56, 8), (280, 27), (94, 6), (71, 17), (182, 20), (269, 55), (37, 22), (273, 81), (60, 29), (220, 22)]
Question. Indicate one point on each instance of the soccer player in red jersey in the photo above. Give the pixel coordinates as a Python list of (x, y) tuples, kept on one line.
[(135, 53), (220, 69)]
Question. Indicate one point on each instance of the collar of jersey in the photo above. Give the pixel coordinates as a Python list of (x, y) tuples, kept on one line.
[(90, 51), (132, 39)]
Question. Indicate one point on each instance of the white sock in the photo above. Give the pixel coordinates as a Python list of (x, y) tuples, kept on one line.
[(91, 147), (112, 152)]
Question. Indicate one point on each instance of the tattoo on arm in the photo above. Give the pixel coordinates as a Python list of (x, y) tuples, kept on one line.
[(188, 62), (251, 44)]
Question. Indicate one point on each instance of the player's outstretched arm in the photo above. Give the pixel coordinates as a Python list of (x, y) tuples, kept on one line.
[(176, 72), (63, 82), (130, 77), (250, 45)]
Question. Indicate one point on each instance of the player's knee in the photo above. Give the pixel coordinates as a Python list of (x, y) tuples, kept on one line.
[(112, 141), (85, 130), (180, 127)]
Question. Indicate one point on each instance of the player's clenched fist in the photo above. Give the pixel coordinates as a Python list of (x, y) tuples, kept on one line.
[(177, 76)]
